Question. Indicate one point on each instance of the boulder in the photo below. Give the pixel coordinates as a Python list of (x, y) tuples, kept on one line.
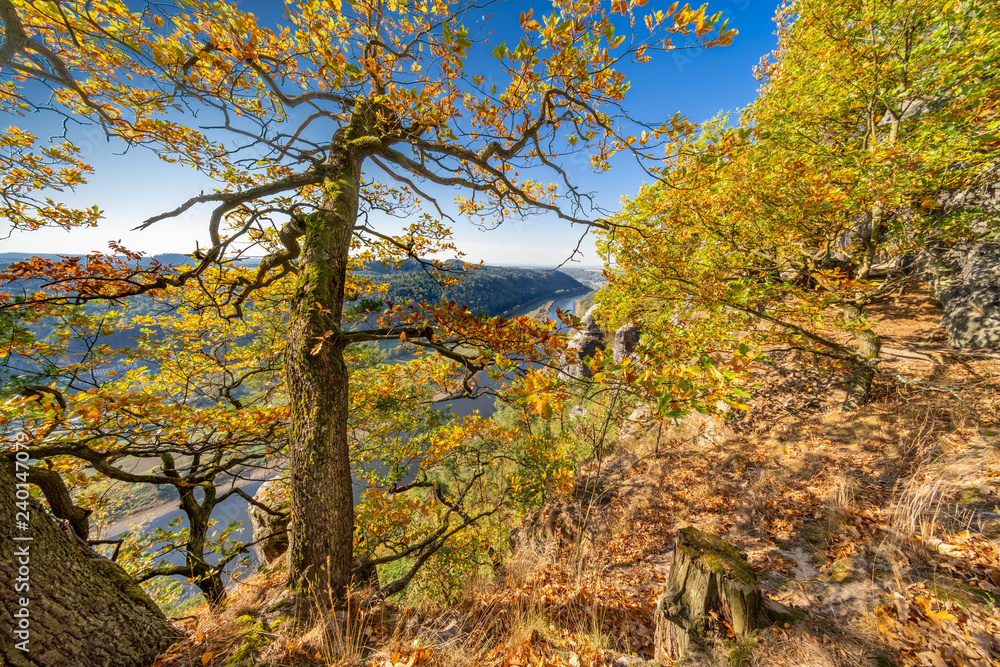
[(709, 581), (965, 278), (634, 425), (270, 531), (552, 526), (625, 342), (694, 428), (62, 603)]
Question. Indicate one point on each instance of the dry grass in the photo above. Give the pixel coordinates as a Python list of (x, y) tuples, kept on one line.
[(877, 529)]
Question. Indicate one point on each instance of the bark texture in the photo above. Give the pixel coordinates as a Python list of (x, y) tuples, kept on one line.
[(322, 521), (708, 578), (82, 610)]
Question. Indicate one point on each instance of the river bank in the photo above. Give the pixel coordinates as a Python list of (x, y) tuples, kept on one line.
[(150, 515), (536, 309)]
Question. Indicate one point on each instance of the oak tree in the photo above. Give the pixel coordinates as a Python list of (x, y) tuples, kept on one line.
[(313, 124)]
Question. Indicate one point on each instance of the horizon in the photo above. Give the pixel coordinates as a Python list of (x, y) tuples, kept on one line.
[(17, 255), (130, 185)]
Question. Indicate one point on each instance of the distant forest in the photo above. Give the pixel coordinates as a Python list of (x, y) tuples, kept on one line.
[(494, 290)]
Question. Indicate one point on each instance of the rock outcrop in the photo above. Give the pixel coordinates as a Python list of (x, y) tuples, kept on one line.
[(552, 526), (61, 603), (585, 344), (270, 531), (692, 428), (966, 280), (625, 342), (979, 203)]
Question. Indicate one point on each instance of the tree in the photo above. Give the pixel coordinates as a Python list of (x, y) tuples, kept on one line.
[(342, 110), (161, 392), (781, 230), (115, 622)]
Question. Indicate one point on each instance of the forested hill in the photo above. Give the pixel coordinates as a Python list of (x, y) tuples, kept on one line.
[(8, 258), (495, 290)]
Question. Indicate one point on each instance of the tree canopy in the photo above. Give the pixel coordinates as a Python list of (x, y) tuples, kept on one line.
[(780, 228), (309, 128)]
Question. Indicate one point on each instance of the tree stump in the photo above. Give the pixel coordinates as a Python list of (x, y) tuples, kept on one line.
[(710, 582)]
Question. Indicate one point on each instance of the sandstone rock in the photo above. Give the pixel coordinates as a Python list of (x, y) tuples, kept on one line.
[(635, 423), (980, 203), (554, 525), (585, 344), (972, 317), (270, 532), (695, 428), (82, 609), (966, 280), (625, 342)]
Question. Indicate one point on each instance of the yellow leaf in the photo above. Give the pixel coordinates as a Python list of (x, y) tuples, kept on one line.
[(206, 657)]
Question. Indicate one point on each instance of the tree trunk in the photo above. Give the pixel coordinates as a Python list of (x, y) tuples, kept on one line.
[(322, 520), (62, 604), (709, 579), (862, 371), (206, 577), (872, 242), (62, 505), (878, 213)]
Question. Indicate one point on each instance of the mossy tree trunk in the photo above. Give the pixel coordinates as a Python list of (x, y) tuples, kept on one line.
[(709, 580), (859, 384), (322, 500), (862, 371)]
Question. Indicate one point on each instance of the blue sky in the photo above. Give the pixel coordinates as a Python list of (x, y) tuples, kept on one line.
[(698, 83)]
